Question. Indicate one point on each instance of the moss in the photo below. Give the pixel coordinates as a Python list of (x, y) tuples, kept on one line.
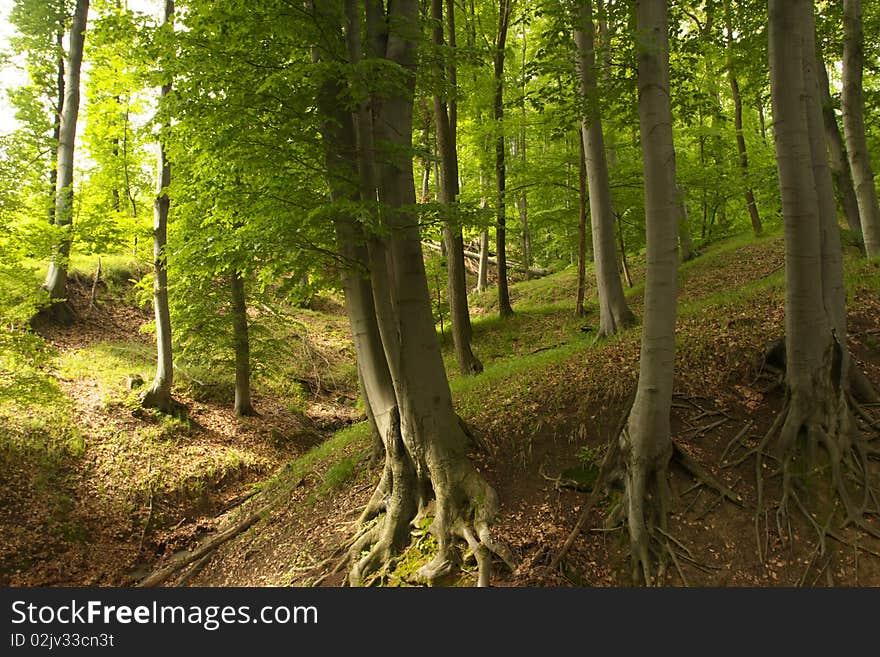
[(419, 552)]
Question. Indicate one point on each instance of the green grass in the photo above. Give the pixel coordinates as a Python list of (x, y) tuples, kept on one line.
[(36, 417), (108, 365), (352, 443), (559, 286)]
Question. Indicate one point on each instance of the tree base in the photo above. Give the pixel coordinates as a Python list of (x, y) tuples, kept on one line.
[(246, 411), (159, 398), (615, 323), (58, 313), (803, 430), (461, 513)]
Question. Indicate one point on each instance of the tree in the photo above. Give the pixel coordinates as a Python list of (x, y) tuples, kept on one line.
[(399, 358), (583, 199), (56, 280), (837, 150), (40, 29), (158, 395), (614, 314), (505, 9), (445, 117), (757, 227), (646, 443), (243, 405), (854, 126), (816, 412), (114, 169)]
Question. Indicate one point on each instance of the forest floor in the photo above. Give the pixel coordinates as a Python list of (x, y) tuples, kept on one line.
[(546, 405), (93, 488)]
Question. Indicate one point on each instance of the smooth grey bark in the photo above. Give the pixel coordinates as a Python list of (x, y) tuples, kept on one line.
[(348, 182), (837, 151), (749, 194), (614, 313), (852, 103), (815, 412), (831, 253), (483, 262), (444, 111), (505, 9), (241, 345), (56, 280), (646, 442), (425, 445), (158, 395)]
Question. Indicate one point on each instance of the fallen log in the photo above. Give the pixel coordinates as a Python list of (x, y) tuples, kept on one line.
[(471, 255)]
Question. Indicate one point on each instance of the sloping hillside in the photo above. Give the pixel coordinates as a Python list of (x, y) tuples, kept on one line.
[(547, 405)]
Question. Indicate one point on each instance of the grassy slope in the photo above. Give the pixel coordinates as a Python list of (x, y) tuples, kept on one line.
[(543, 372)]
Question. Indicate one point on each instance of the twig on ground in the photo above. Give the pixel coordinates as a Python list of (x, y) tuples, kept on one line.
[(700, 473), (181, 561), (737, 439)]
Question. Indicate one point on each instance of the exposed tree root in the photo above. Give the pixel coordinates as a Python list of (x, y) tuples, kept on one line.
[(455, 496), (178, 563), (802, 429), (609, 462), (737, 440), (475, 438), (861, 387), (57, 313), (647, 495), (647, 502), (702, 475), (159, 397)]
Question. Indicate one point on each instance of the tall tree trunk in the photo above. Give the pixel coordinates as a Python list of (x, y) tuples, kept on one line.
[(837, 151), (685, 242), (646, 442), (624, 265), (425, 446), (815, 412), (757, 227), (56, 280), (762, 121), (59, 106), (158, 395), (522, 206), (241, 345), (852, 103), (444, 110), (504, 11), (522, 202), (614, 313), (583, 199), (483, 267), (831, 254)]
